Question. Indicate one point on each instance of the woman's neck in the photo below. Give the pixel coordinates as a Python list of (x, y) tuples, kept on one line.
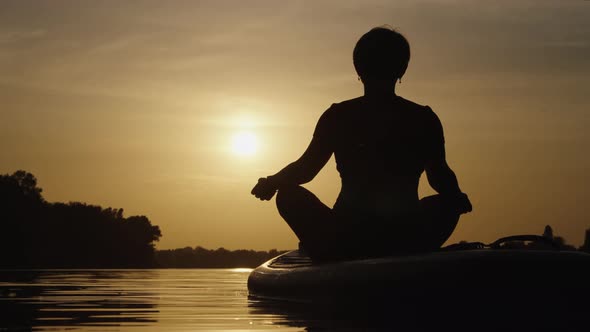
[(379, 90)]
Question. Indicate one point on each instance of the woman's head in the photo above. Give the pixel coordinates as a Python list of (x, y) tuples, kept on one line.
[(381, 54)]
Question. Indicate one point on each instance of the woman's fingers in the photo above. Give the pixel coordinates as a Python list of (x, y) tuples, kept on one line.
[(259, 187), (263, 190), (465, 204)]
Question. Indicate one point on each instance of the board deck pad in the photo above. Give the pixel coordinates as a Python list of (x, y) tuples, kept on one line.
[(291, 260)]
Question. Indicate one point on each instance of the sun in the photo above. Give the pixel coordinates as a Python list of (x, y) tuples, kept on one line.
[(244, 143)]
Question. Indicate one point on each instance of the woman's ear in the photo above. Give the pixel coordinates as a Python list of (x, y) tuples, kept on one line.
[(402, 72)]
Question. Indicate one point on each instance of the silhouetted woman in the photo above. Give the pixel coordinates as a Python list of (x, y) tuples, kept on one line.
[(382, 144)]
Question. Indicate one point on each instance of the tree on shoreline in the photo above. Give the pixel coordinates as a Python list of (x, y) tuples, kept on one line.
[(38, 234)]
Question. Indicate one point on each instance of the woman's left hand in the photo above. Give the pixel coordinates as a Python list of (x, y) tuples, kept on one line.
[(264, 189)]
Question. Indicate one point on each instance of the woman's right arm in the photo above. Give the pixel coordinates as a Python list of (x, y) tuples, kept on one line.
[(303, 169)]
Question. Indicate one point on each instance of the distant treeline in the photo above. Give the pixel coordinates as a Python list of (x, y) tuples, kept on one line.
[(200, 257), (38, 234)]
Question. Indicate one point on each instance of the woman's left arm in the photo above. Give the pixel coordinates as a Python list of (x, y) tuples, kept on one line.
[(440, 176)]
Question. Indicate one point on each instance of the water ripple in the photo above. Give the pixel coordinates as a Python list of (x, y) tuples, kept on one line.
[(115, 300)]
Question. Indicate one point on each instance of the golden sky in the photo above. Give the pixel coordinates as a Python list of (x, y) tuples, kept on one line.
[(135, 104)]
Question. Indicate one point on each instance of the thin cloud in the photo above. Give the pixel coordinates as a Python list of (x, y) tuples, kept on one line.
[(7, 37)]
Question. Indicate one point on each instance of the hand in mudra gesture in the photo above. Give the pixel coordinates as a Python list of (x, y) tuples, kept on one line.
[(265, 189), (463, 204)]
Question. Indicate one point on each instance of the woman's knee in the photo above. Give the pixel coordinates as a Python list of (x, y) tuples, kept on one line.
[(439, 219), (299, 205), (441, 206), (288, 197), (446, 227)]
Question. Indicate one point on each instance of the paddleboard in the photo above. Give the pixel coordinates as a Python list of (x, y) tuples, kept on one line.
[(295, 277)]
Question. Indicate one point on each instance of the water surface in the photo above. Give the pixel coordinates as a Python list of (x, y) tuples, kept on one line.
[(121, 300), (217, 300)]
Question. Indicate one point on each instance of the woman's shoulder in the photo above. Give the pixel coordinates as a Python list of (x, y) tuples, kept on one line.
[(347, 104), (339, 110), (411, 105), (423, 112)]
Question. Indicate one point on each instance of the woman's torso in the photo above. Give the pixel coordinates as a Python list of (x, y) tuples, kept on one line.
[(380, 150)]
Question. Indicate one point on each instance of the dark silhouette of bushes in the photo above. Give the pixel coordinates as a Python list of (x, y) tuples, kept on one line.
[(586, 246), (200, 257), (38, 234)]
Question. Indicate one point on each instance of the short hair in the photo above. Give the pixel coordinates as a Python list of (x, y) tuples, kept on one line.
[(381, 53)]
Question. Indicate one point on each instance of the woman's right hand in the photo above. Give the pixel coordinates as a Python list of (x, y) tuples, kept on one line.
[(265, 189)]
